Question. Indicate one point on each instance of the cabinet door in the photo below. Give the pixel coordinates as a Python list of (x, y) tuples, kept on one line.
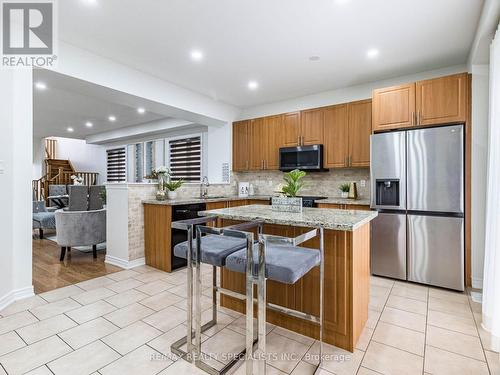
[(256, 144), (241, 149), (273, 133), (335, 136), (291, 129), (311, 126), (394, 107), (442, 100), (360, 126)]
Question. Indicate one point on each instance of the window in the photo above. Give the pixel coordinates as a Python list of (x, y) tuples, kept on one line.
[(116, 165), (184, 158), (149, 157), (138, 169)]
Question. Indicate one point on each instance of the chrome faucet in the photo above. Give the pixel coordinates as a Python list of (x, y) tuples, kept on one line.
[(204, 187)]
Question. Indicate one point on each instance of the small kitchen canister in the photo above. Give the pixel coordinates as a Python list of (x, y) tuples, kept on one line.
[(243, 188)]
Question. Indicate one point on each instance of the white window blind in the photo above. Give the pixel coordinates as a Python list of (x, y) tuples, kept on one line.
[(185, 159), (116, 165)]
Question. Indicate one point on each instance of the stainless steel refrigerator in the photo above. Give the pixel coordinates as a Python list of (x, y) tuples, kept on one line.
[(417, 185)]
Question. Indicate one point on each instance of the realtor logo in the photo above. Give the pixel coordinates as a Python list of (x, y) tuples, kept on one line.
[(28, 34)]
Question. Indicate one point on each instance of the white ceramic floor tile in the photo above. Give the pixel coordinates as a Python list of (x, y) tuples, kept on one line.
[(88, 332), (126, 298), (149, 277), (129, 314), (122, 275), (166, 319), (124, 285), (154, 287), (377, 303), (270, 370), (90, 312), (161, 300), (452, 322), (373, 317), (61, 293), (96, 283), (45, 328), (403, 319), (16, 321), (42, 370), (449, 295), (131, 337), (163, 343), (443, 362), (399, 337), (335, 360), (380, 281), (144, 361), (182, 367), (9, 342), (493, 360), (468, 346), (93, 295), (34, 356), (419, 294), (365, 371), (449, 307), (388, 360), (223, 346), (304, 368), (285, 353), (54, 308), (85, 360), (407, 304), (240, 325), (24, 304), (364, 338)]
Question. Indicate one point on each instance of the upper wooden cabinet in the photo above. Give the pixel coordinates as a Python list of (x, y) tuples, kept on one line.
[(256, 144), (273, 133), (347, 129), (442, 100), (394, 107), (241, 150), (291, 129), (311, 127), (431, 102)]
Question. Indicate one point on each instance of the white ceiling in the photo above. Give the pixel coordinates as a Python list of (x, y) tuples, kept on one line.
[(270, 41), (70, 102)]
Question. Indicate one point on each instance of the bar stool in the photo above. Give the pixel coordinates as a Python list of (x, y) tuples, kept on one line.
[(278, 259), (212, 247)]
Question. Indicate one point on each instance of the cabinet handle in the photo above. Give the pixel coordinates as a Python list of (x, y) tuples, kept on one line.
[(298, 141), (418, 118), (246, 164), (302, 142), (413, 118), (350, 160)]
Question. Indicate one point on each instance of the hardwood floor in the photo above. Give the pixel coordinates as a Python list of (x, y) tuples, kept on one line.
[(49, 273)]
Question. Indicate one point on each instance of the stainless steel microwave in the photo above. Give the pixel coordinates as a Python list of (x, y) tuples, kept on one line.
[(301, 157)]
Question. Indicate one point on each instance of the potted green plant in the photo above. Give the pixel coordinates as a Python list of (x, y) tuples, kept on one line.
[(163, 175), (344, 190), (172, 186), (289, 202)]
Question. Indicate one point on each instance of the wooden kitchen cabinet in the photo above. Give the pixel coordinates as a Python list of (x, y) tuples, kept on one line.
[(347, 130), (442, 100), (394, 107), (339, 206), (336, 135), (291, 129), (311, 127), (272, 140), (256, 144), (241, 149)]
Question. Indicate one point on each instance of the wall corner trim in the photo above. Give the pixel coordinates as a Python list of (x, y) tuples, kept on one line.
[(16, 295), (123, 263)]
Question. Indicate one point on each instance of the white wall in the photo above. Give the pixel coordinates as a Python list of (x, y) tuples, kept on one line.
[(38, 157), (342, 95), (16, 172), (480, 107)]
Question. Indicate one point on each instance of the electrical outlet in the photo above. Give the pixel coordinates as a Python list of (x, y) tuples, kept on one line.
[(2, 167), (270, 182), (362, 183)]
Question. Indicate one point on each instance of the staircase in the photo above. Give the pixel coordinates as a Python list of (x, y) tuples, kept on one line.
[(58, 172)]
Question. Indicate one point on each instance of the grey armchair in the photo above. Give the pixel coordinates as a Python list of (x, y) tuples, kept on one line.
[(42, 218), (80, 228)]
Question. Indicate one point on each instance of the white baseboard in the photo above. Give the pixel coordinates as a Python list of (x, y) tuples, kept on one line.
[(477, 283), (16, 295), (126, 264)]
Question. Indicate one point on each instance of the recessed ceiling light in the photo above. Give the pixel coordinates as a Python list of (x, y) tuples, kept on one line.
[(141, 110), (196, 55), (70, 130), (372, 53), (253, 85), (88, 124), (40, 85), (112, 118), (90, 2), (342, 1), (314, 58)]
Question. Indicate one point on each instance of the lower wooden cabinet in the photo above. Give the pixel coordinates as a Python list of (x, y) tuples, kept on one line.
[(338, 206)]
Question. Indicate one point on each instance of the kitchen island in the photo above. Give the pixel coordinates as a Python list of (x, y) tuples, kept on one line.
[(347, 270)]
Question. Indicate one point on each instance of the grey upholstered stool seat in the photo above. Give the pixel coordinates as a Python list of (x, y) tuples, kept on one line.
[(284, 263), (214, 249)]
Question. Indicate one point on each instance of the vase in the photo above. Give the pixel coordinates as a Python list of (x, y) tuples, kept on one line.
[(172, 194), (161, 193), (344, 194)]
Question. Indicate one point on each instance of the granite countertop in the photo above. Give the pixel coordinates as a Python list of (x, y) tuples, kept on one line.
[(343, 220), (179, 201)]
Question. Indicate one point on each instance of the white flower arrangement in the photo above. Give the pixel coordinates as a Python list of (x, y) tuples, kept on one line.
[(162, 169), (77, 180)]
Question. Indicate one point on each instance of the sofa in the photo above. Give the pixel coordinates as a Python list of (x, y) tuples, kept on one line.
[(42, 218)]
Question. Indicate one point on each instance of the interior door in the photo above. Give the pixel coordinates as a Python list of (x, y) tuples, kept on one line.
[(436, 251), (273, 131), (311, 127), (436, 169), (394, 107), (360, 128), (291, 129), (336, 129)]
